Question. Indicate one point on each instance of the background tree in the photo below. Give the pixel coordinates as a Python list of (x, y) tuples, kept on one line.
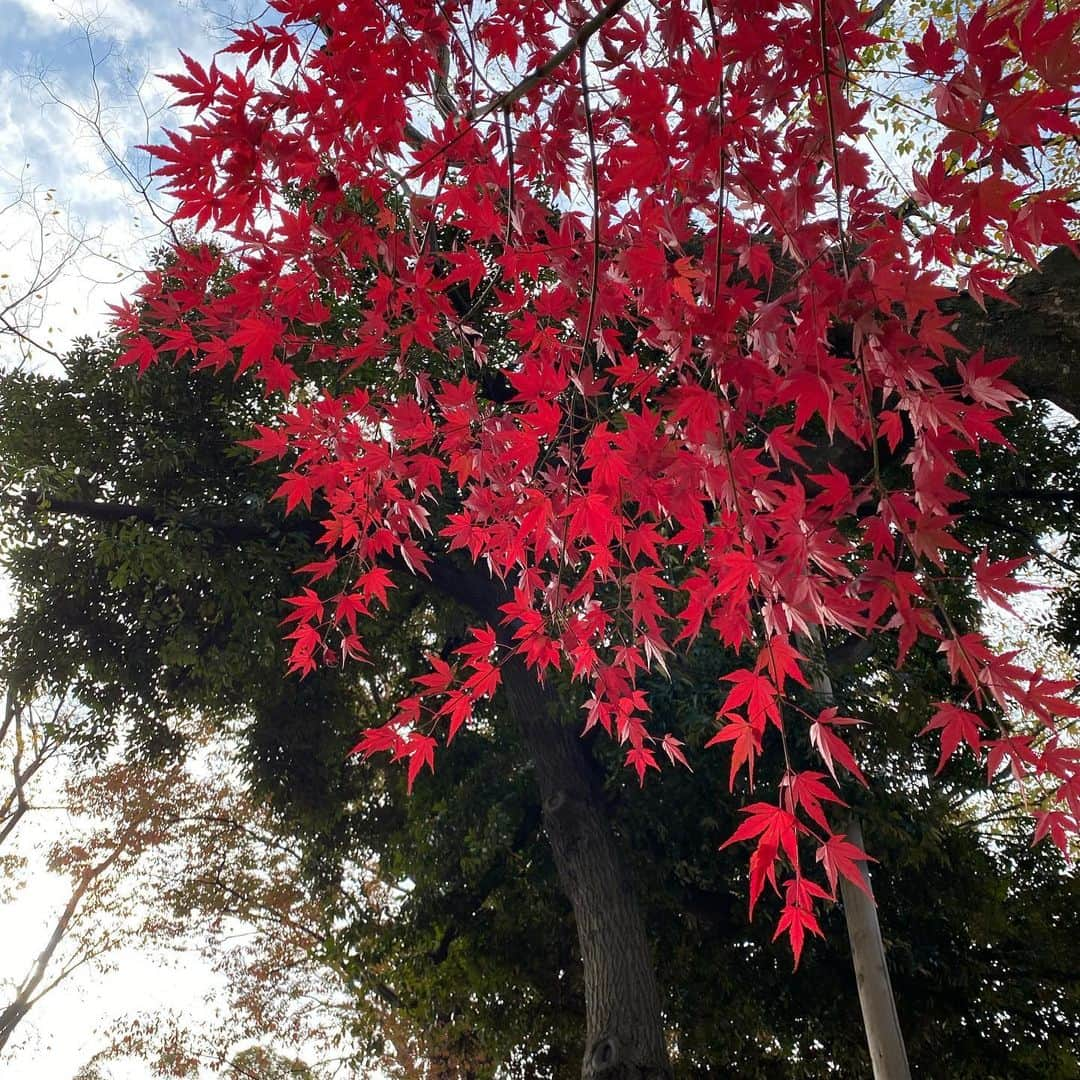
[(107, 827), (47, 244), (476, 954), (176, 858)]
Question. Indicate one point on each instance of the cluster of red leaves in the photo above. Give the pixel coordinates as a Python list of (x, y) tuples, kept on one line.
[(643, 224)]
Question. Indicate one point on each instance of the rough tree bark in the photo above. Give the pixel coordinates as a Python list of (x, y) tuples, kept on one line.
[(624, 1027)]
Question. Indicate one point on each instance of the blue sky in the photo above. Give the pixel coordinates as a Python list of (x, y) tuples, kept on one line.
[(100, 60)]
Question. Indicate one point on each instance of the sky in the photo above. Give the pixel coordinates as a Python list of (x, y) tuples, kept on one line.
[(78, 94), (68, 210)]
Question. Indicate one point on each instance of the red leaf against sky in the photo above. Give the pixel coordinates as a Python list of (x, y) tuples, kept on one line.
[(995, 583), (198, 86)]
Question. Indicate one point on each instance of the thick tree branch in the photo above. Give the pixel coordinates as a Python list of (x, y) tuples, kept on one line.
[(503, 101), (1042, 329), (573, 44)]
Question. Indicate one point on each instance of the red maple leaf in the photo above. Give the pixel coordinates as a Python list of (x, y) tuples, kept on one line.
[(806, 790), (773, 825), (839, 857), (956, 725), (797, 917), (995, 583), (746, 745), (831, 746), (199, 87), (933, 55)]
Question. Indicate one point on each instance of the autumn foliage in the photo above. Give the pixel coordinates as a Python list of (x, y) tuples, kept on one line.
[(612, 301)]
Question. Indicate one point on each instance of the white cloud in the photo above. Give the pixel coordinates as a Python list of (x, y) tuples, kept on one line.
[(72, 229), (34, 19)]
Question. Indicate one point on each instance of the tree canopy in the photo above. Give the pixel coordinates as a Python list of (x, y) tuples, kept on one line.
[(598, 344)]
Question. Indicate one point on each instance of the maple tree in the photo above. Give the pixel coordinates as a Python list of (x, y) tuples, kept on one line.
[(607, 301)]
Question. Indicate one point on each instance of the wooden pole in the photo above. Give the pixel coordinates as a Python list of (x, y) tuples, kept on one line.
[(884, 1039)]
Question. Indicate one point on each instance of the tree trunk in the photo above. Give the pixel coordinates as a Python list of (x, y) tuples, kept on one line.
[(11, 1017), (624, 1031), (624, 1028), (28, 992)]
